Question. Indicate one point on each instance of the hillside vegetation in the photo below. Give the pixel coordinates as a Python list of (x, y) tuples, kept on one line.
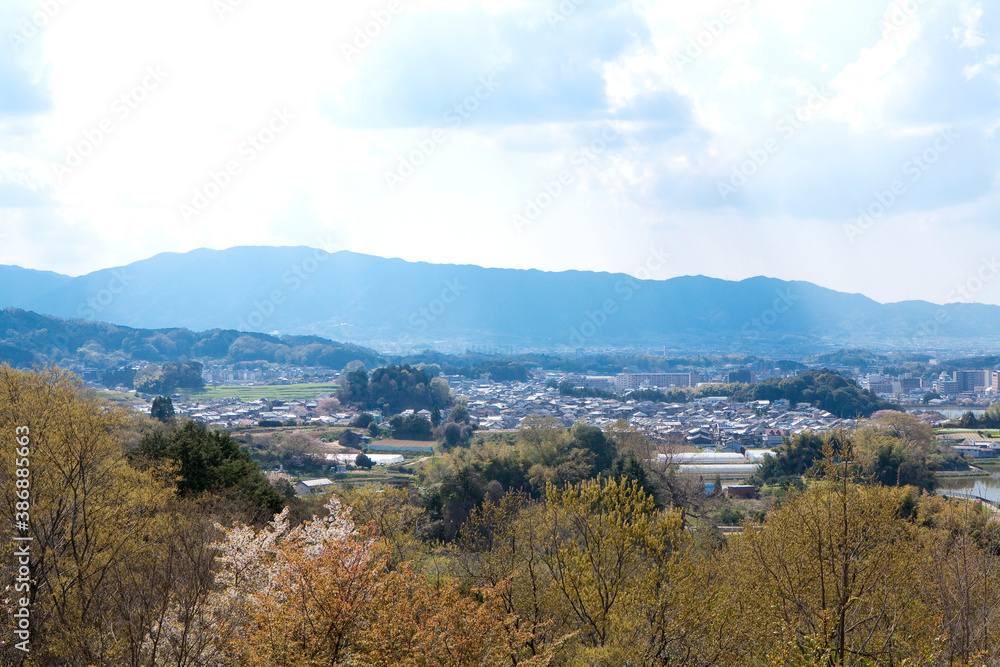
[(156, 544)]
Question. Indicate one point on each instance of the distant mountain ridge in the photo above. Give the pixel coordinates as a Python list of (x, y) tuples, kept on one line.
[(394, 304), (28, 339)]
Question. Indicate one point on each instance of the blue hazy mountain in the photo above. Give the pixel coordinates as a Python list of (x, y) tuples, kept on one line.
[(18, 285), (390, 302)]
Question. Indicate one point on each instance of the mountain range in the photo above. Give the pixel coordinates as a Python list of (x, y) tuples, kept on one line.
[(394, 305)]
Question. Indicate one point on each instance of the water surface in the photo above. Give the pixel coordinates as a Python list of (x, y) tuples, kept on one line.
[(982, 487)]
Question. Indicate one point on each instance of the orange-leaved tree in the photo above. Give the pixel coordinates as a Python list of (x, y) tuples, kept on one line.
[(323, 594)]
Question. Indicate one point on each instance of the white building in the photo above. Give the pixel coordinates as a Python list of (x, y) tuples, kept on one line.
[(306, 486)]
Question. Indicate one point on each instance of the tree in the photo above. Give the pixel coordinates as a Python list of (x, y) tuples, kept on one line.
[(460, 413), (609, 553), (457, 429), (362, 461), (454, 434), (355, 365), (284, 488), (628, 468), (394, 512), (969, 420), (915, 432), (791, 459), (825, 389), (296, 444), (892, 448), (836, 572), (593, 440), (960, 543), (210, 461), (162, 409), (440, 392), (354, 387), (170, 376), (322, 593), (101, 530), (363, 420), (410, 427), (349, 439), (149, 379), (396, 388), (500, 547), (630, 440), (991, 416), (552, 455)]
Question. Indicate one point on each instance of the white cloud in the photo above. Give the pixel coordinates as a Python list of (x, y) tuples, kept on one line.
[(865, 86), (698, 87), (970, 35)]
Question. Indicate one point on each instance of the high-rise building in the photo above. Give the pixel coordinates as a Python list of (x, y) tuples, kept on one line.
[(973, 380), (964, 382), (633, 381), (743, 375)]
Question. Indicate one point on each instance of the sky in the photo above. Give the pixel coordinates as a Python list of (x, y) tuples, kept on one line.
[(849, 143)]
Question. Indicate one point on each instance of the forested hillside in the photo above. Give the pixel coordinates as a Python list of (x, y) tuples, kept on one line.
[(823, 389), (156, 543), (28, 339), (381, 301)]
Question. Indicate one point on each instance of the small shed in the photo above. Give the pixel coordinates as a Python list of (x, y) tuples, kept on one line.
[(741, 491), (306, 486)]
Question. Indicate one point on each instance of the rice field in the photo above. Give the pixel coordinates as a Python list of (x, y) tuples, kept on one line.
[(280, 392)]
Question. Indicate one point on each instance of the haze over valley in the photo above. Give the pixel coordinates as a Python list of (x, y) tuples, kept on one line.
[(398, 306)]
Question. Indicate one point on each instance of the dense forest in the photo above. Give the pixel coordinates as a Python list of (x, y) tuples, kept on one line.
[(393, 389), (891, 449), (823, 389), (29, 339), (160, 543)]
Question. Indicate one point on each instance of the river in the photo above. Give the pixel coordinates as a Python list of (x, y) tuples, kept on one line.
[(950, 413), (983, 487)]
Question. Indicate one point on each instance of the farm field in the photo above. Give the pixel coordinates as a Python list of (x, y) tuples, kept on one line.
[(411, 447), (970, 432), (280, 392)]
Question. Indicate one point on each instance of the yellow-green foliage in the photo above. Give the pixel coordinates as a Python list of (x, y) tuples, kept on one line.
[(99, 525), (588, 573)]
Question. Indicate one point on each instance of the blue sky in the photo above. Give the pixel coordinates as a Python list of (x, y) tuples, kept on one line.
[(852, 144)]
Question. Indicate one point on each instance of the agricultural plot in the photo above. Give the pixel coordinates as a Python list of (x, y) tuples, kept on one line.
[(283, 392)]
